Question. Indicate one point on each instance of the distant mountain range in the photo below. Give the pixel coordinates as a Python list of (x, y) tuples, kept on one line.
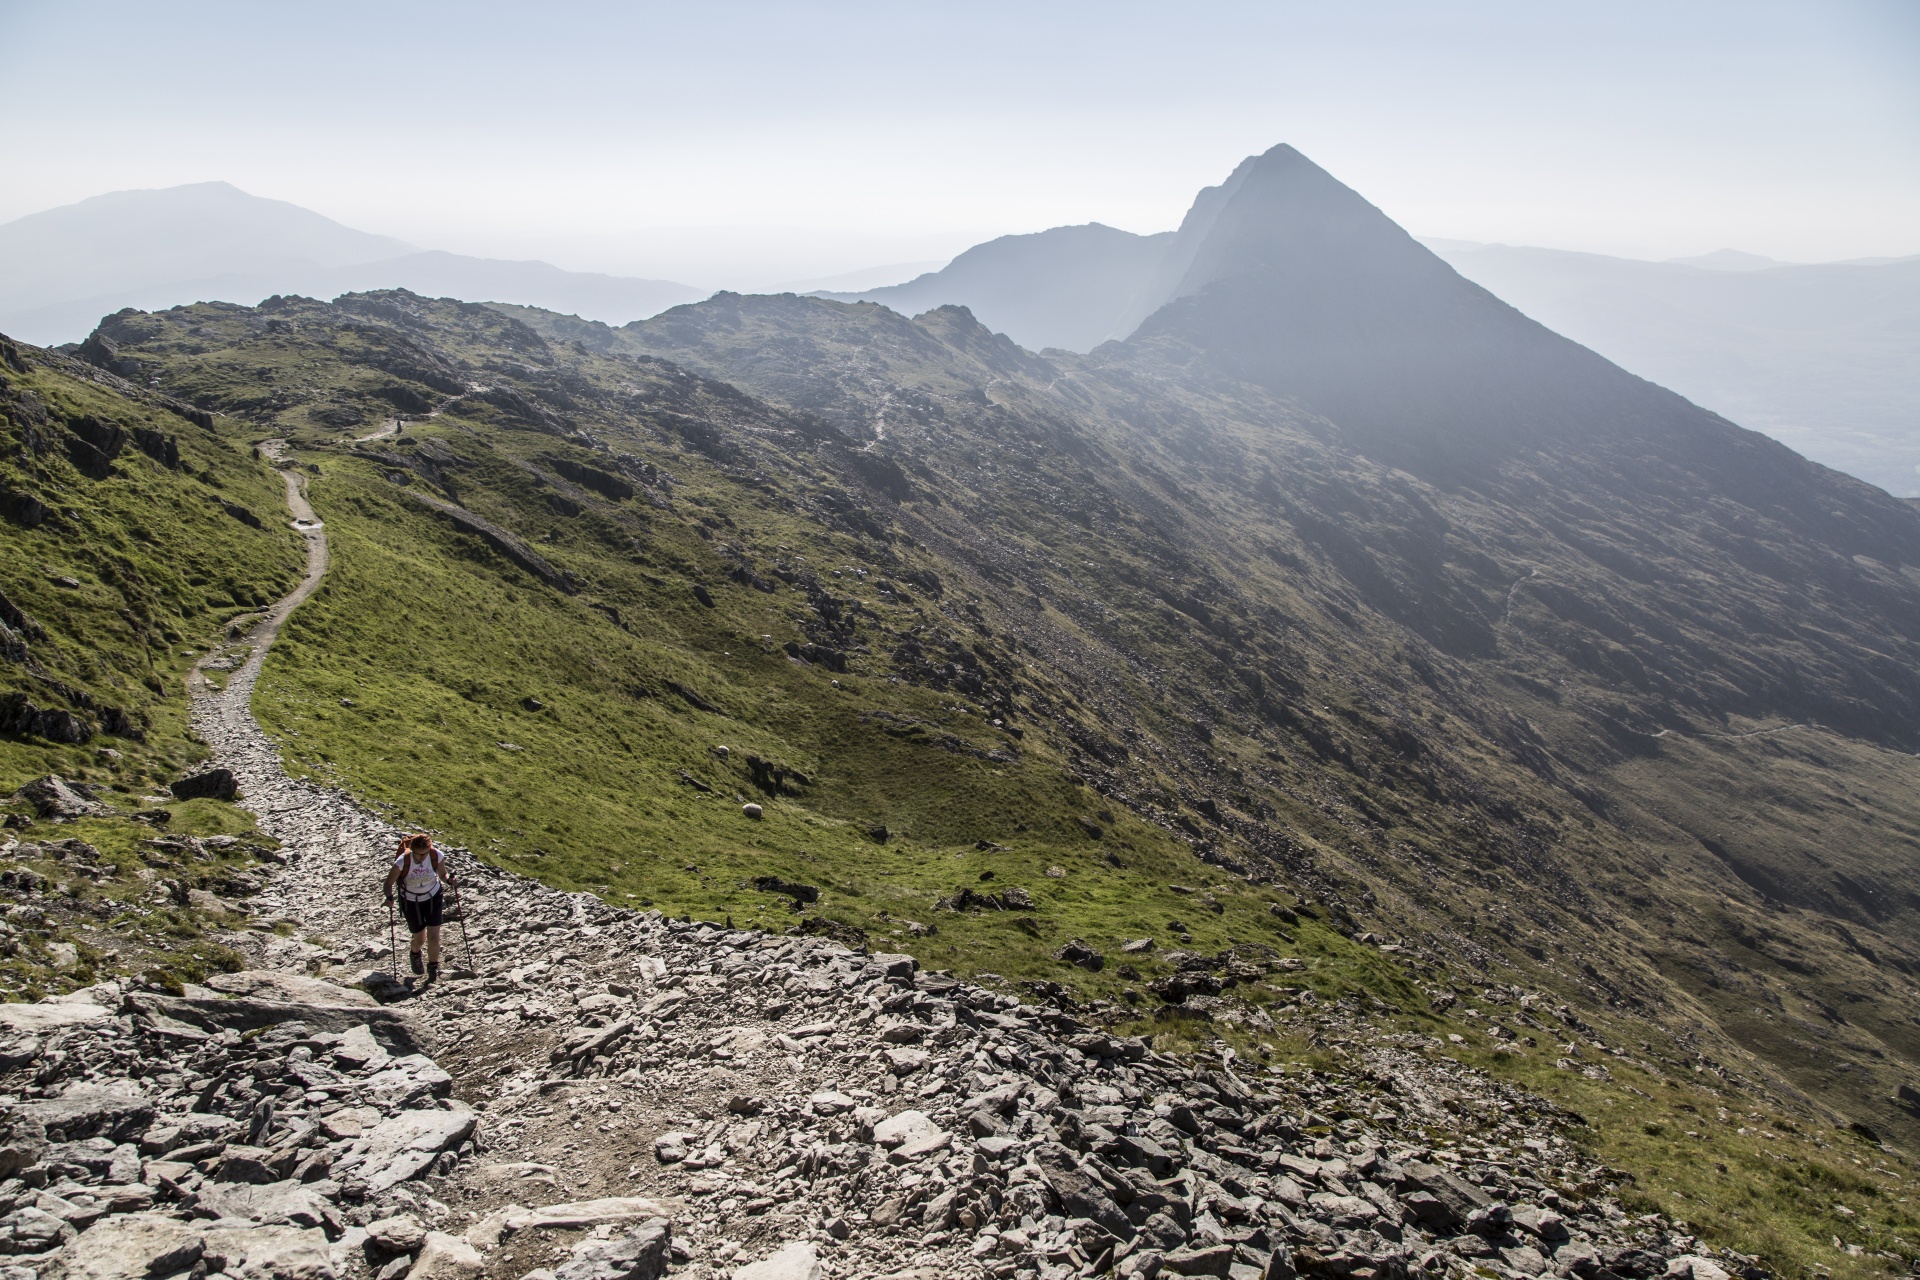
[(62, 269), (1825, 358)]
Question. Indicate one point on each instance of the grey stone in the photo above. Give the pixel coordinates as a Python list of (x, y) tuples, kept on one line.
[(269, 1253), (137, 1246), (87, 1111), (445, 1257), (1203, 1260), (214, 784), (642, 1253), (797, 1261), (1081, 1195), (52, 796), (1458, 1196), (287, 1202), (402, 1146)]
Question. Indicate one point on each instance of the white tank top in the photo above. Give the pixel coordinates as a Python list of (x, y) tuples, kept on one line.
[(417, 879)]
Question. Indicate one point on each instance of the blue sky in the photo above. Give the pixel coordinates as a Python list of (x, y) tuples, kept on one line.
[(596, 134)]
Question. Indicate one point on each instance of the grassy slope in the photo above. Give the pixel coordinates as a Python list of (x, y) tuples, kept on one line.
[(161, 569), (436, 641)]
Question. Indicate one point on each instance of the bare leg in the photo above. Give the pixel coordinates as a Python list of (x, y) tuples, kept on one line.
[(433, 944)]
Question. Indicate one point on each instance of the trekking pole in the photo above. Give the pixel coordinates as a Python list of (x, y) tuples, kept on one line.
[(393, 944), (466, 944)]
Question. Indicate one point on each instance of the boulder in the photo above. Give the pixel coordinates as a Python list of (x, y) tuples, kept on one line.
[(22, 1143), (1545, 1223), (17, 1051), (1199, 1260), (1691, 1266), (891, 966), (445, 1257), (136, 1246), (246, 1013), (174, 1132), (359, 1051), (214, 784), (54, 797), (1456, 1197), (412, 1077), (797, 1261), (289, 988), (243, 1163), (210, 903), (904, 1062), (34, 1230), (1077, 952)]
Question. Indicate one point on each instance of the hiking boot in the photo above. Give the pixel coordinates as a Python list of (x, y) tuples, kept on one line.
[(413, 958), (433, 970)]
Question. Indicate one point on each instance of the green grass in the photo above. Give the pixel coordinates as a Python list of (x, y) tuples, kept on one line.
[(159, 568), (409, 668), (156, 569)]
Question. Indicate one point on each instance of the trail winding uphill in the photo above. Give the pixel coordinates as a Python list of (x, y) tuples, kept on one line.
[(618, 1096)]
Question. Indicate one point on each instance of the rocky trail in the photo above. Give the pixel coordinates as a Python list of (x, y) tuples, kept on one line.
[(609, 1093)]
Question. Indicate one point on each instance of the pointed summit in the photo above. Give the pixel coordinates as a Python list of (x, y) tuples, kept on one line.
[(1285, 277)]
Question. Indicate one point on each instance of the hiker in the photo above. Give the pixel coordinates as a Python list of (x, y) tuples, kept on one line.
[(419, 873)]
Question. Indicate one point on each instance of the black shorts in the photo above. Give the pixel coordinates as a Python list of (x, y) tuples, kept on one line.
[(424, 915)]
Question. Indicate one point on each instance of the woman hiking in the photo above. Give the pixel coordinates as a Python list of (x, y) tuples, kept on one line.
[(420, 875)]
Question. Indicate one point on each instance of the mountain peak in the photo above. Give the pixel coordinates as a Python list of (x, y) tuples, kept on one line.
[(1285, 277)]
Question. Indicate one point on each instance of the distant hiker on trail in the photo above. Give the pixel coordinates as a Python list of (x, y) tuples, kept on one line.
[(419, 873)]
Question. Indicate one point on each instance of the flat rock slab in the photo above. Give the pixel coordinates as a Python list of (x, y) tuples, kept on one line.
[(402, 1146), (135, 1246), (288, 988), (795, 1262), (141, 1246), (32, 1018), (591, 1213), (245, 1013), (269, 1253), (285, 1202), (88, 1111)]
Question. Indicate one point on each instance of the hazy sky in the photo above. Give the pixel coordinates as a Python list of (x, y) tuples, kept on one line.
[(890, 131)]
